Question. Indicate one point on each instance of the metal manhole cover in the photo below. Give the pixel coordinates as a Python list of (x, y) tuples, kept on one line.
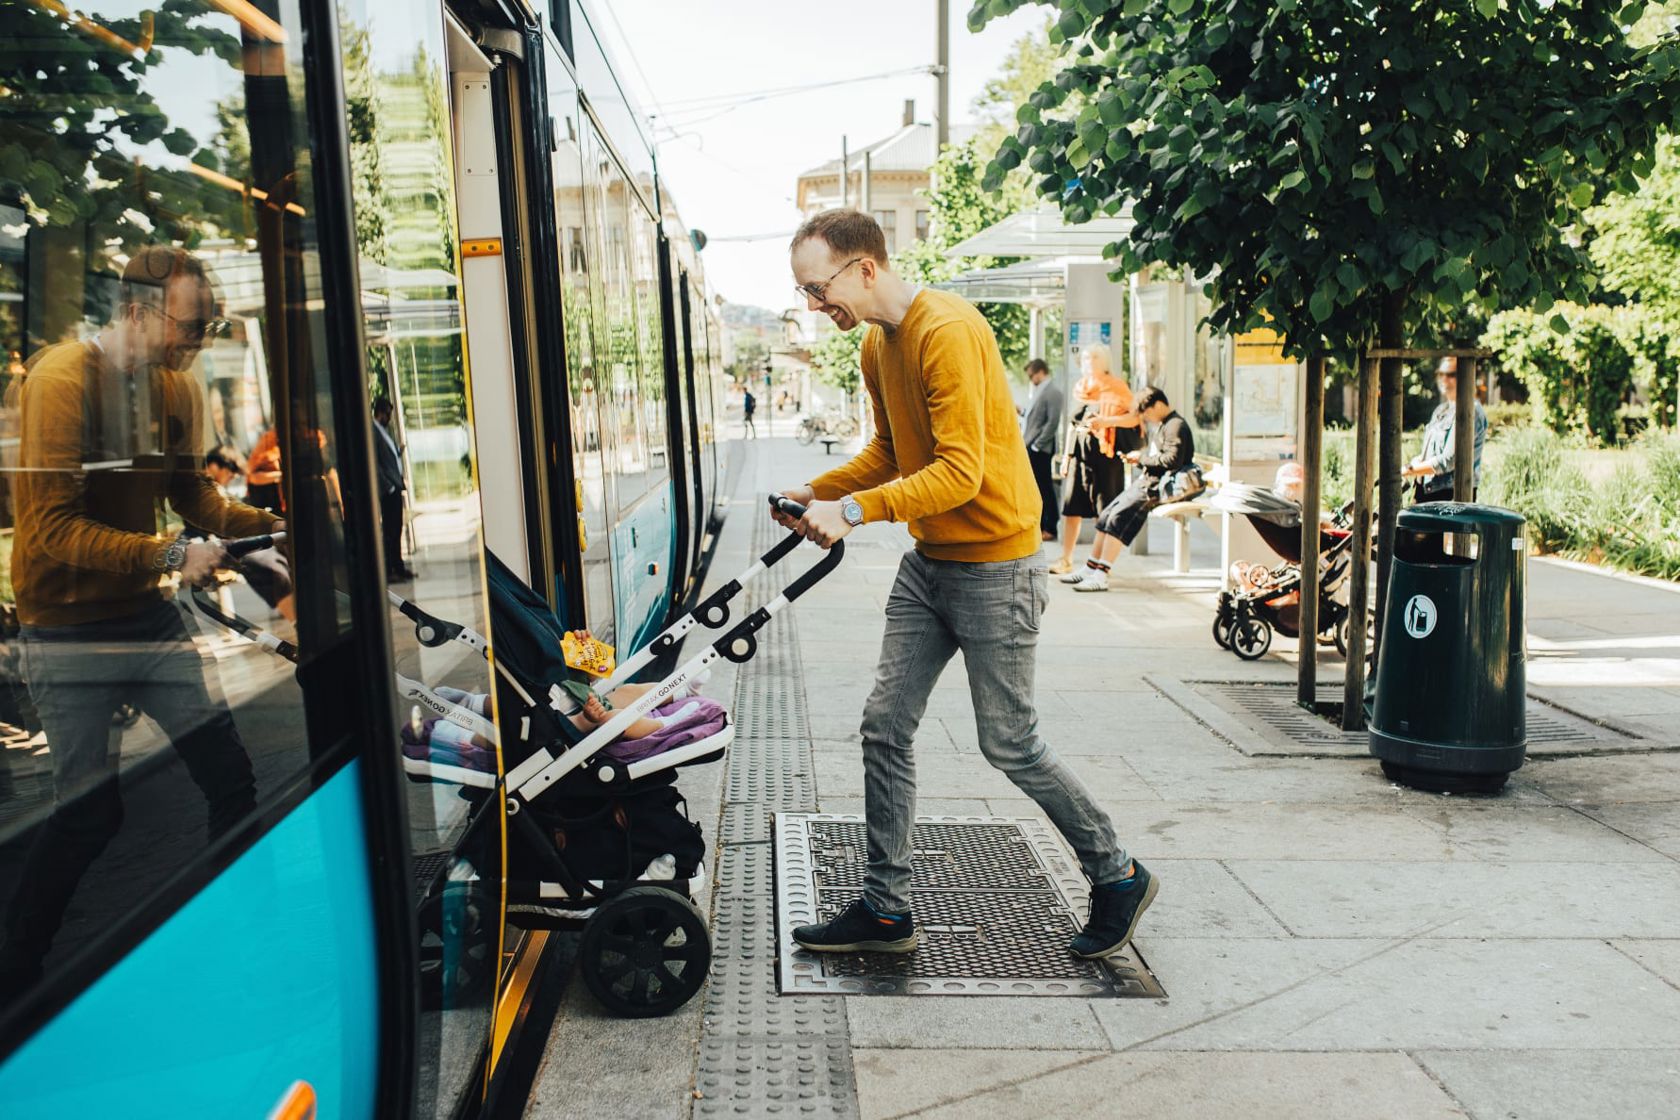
[(1268, 708), (996, 901)]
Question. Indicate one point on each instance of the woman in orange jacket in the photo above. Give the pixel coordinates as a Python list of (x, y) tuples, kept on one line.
[(1107, 428)]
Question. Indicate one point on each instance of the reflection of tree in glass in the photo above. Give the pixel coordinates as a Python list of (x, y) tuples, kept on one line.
[(78, 111), (398, 124)]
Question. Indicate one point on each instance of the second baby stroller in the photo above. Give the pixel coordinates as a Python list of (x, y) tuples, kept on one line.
[(1264, 599)]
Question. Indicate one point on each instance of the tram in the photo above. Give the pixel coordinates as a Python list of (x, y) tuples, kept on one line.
[(254, 226)]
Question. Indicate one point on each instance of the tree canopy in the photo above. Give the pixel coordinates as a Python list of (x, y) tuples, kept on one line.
[(1332, 166)]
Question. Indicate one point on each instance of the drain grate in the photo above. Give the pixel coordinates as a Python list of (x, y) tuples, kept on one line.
[(995, 902), (1267, 710)]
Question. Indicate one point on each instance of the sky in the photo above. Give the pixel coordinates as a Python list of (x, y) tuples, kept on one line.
[(734, 174)]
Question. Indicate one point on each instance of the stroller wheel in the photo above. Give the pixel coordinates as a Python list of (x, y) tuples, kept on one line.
[(1222, 630), (1251, 638), (1342, 633), (645, 952)]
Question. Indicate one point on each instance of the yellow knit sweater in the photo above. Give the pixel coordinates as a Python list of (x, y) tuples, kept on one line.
[(100, 451), (947, 455)]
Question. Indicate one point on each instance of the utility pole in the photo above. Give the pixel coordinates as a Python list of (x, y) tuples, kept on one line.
[(865, 206), (845, 175), (942, 73)]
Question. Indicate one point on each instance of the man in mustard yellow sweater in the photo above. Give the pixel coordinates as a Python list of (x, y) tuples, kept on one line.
[(110, 429), (946, 458)]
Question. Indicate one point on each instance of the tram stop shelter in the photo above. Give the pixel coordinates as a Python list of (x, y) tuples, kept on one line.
[(1242, 397)]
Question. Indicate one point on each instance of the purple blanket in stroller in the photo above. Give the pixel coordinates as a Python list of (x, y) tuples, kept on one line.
[(689, 720)]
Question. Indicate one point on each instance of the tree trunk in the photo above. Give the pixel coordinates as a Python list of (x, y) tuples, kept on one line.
[(1359, 578), (1312, 447), (1391, 421)]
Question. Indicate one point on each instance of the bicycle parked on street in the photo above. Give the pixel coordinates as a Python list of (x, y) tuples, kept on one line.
[(835, 424)]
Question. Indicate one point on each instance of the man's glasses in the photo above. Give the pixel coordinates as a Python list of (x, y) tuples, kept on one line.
[(197, 330), (819, 292)]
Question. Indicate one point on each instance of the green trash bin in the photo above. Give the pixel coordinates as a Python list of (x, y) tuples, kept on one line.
[(1451, 683)]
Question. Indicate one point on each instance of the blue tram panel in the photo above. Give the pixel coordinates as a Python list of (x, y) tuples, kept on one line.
[(267, 977)]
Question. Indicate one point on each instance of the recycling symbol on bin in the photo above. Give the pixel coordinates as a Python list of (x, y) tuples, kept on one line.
[(1420, 616)]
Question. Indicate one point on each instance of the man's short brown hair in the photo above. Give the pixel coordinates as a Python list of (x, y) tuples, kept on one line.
[(153, 268), (849, 233)]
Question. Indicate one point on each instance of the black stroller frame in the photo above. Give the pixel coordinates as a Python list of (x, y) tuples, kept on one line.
[(645, 948), (1244, 620)]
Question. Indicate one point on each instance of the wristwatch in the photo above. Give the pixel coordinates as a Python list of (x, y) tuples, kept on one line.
[(172, 557), (851, 510)]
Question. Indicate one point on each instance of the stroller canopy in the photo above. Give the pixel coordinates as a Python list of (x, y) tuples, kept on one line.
[(1257, 502), (528, 637)]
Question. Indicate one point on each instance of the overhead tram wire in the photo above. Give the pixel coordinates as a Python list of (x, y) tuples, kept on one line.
[(710, 108)]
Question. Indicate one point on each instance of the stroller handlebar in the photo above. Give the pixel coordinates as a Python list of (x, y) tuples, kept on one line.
[(786, 506), (244, 546)]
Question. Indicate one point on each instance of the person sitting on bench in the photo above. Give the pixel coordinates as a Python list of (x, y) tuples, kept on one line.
[(1171, 450)]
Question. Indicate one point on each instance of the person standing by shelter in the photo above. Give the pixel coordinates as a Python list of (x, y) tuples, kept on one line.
[(947, 458), (262, 472), (1043, 423), (392, 486), (749, 405), (1110, 427), (1172, 450), (1431, 473)]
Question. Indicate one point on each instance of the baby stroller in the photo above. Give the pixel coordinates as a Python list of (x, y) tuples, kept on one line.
[(598, 836), (1268, 599)]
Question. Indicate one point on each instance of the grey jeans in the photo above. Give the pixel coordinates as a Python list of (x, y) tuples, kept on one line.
[(990, 612)]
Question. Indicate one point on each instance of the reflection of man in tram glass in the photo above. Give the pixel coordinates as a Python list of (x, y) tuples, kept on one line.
[(392, 486), (109, 432)]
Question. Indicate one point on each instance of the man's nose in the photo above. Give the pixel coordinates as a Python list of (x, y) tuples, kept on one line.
[(812, 303)]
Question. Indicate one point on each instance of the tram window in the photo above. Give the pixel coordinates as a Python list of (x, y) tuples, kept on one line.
[(160, 298), (623, 358), (398, 92), (572, 218), (650, 343)]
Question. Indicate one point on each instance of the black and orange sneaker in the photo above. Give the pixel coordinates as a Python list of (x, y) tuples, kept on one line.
[(859, 928), (1115, 910)]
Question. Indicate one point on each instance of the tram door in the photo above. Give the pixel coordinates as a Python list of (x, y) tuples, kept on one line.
[(409, 77)]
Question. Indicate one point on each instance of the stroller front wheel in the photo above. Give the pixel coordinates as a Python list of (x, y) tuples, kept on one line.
[(1222, 630), (1251, 638), (645, 952)]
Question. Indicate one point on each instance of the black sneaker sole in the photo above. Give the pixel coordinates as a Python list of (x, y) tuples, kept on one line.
[(902, 945), (1131, 928)]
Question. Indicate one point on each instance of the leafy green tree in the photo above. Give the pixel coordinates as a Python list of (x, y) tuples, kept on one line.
[(751, 354), (1636, 245), (835, 360), (1345, 169), (1579, 375), (81, 131), (960, 208)]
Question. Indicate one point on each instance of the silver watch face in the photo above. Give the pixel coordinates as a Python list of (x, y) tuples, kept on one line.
[(852, 511)]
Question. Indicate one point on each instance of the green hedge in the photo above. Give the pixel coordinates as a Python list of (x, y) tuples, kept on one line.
[(1630, 520)]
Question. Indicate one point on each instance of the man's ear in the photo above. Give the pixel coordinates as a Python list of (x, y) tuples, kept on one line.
[(869, 268)]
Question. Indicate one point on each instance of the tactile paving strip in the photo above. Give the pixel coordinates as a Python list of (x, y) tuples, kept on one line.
[(996, 902), (763, 1054)]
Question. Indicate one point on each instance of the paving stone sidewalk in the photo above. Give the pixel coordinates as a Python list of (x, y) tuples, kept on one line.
[(1331, 945)]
